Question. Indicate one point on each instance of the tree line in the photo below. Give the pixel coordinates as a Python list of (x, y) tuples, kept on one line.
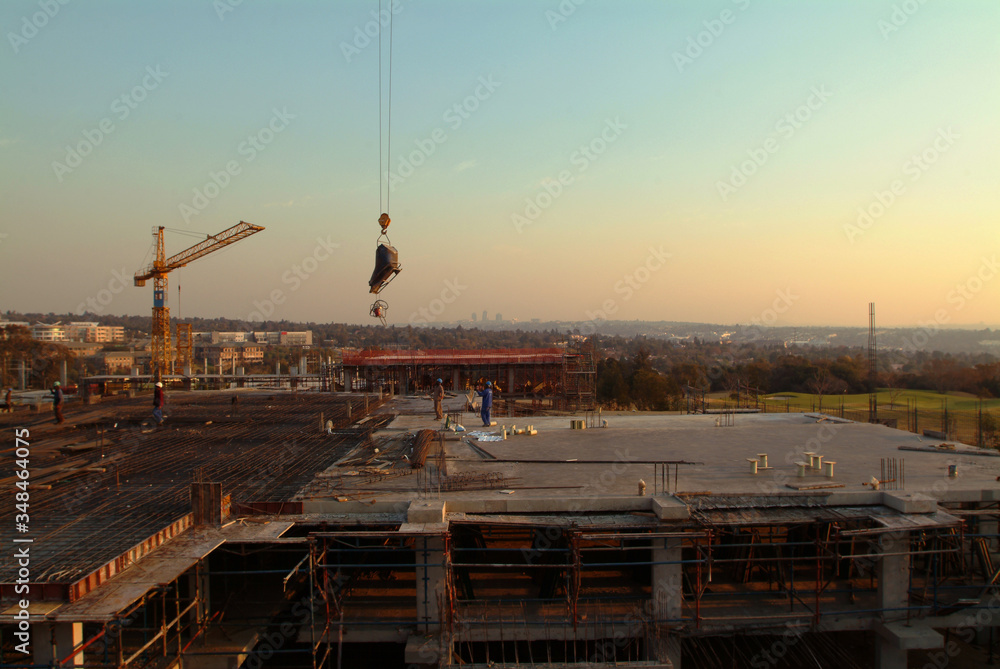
[(651, 374)]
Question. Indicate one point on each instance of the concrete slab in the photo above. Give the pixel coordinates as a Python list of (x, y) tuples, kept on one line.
[(609, 462), (163, 565)]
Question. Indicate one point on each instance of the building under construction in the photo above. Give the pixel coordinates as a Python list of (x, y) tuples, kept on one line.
[(317, 529), (552, 377)]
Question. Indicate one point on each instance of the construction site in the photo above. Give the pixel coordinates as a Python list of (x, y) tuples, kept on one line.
[(348, 529)]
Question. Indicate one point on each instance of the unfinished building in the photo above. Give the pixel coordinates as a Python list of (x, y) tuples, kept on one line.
[(337, 530), (553, 377)]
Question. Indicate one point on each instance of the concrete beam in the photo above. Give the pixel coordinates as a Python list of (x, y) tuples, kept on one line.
[(426, 511), (670, 508), (904, 637), (431, 529), (854, 498), (906, 502)]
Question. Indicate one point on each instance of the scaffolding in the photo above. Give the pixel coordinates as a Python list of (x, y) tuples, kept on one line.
[(185, 347)]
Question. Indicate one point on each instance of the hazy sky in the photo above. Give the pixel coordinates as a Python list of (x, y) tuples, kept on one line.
[(726, 161)]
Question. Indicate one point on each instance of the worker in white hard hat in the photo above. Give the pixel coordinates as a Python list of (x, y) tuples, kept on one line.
[(158, 402), (438, 399), (57, 399)]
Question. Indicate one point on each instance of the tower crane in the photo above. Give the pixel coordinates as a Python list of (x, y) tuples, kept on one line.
[(158, 270)]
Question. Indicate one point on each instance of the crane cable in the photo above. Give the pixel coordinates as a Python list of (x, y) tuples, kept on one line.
[(388, 117), (380, 307)]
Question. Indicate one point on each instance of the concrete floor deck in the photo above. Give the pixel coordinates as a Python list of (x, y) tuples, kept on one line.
[(564, 462)]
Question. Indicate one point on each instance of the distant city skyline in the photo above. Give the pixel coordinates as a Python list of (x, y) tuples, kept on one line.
[(736, 162)]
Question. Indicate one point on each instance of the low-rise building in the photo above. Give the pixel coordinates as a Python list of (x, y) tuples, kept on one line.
[(118, 361), (296, 338), (48, 332), (93, 332), (78, 331), (83, 349), (228, 337), (227, 354)]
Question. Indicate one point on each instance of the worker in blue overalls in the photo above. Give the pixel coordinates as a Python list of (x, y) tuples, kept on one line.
[(487, 395)]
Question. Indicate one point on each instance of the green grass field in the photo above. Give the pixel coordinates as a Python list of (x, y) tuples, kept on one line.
[(923, 399)]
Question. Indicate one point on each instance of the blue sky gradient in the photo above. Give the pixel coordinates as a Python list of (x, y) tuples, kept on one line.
[(684, 107)]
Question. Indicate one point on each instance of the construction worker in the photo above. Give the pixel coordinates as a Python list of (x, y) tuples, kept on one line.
[(57, 399), (438, 399), (158, 402), (8, 402), (487, 395)]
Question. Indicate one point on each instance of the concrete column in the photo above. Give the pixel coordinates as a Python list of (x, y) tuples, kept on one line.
[(430, 583), (52, 642), (667, 599), (197, 585), (510, 380), (893, 573), (455, 380), (888, 656), (988, 526)]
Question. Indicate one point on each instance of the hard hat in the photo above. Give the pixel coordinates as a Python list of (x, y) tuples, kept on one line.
[(56, 384), (489, 384), (159, 384), (440, 381)]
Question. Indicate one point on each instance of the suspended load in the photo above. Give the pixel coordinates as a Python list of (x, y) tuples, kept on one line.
[(386, 268), (379, 309), (386, 260)]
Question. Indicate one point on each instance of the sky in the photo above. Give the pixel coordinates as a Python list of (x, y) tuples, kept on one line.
[(732, 161)]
